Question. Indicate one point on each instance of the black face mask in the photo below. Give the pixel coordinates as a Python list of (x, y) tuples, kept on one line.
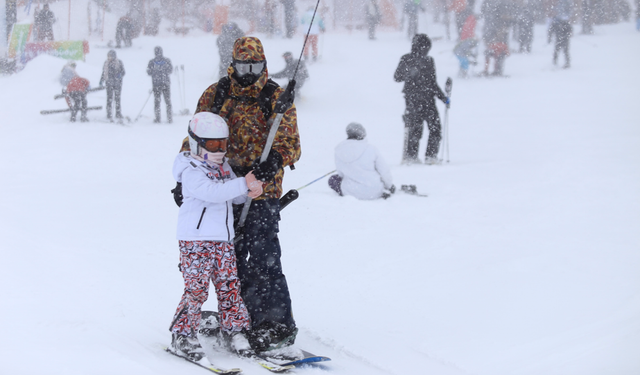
[(247, 79)]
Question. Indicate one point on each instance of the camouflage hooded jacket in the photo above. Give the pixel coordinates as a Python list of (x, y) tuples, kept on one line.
[(248, 129)]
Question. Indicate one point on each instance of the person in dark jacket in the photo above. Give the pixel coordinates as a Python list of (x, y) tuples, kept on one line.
[(124, 31), (418, 72), (112, 74), (160, 69), (230, 32), (562, 30), (290, 69), (44, 20)]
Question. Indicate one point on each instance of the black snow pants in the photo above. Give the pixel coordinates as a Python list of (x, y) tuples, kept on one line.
[(263, 285), (78, 103), (164, 90), (113, 93), (418, 111)]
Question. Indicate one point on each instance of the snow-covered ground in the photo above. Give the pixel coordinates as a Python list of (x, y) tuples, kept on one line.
[(524, 258)]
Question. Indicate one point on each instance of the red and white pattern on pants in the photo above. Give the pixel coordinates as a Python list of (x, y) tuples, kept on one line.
[(199, 262)]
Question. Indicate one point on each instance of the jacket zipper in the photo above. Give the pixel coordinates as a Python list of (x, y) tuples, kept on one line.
[(227, 225), (201, 216)]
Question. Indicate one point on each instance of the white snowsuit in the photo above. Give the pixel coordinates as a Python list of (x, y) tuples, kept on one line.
[(206, 213), (364, 173)]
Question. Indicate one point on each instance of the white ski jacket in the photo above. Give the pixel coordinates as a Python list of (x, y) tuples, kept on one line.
[(364, 173), (208, 192)]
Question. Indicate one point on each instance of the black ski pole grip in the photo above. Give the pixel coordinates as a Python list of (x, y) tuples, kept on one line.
[(286, 199)]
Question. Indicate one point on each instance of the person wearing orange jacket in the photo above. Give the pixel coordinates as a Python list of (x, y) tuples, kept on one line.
[(246, 99)]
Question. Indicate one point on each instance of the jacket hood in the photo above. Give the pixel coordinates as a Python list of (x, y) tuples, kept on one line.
[(420, 44), (351, 150), (248, 48), (181, 163)]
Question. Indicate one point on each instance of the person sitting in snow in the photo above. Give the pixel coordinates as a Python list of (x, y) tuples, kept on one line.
[(362, 172), (205, 237), (290, 69)]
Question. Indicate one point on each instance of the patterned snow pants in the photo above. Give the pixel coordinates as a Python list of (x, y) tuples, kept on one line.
[(199, 262)]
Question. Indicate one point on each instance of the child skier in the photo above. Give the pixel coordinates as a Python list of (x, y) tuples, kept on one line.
[(205, 235)]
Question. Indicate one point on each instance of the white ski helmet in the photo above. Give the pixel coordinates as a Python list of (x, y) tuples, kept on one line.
[(204, 126)]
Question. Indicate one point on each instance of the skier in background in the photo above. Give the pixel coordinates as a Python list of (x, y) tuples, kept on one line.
[(264, 286), (362, 172), (525, 23), (411, 9), (372, 15), (562, 29), (124, 31), (289, 17), (206, 240), (44, 20), (112, 74), (230, 32), (418, 72), (160, 69), (290, 69), (316, 28), (465, 50), (77, 97)]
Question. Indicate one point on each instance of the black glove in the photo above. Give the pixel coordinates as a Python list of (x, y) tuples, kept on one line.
[(177, 194), (267, 170), (392, 189)]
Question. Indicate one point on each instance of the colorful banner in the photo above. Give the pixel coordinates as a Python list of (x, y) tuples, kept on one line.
[(68, 49), (19, 36)]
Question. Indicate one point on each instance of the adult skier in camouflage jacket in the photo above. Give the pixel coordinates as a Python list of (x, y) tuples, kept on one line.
[(418, 72), (160, 70), (263, 284)]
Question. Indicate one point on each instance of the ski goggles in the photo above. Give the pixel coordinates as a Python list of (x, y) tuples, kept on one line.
[(210, 144), (246, 67)]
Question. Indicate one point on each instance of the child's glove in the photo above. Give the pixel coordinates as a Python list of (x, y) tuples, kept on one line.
[(255, 186), (177, 194)]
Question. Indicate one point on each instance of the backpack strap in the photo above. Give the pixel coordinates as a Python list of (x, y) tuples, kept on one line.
[(263, 99), (222, 94)]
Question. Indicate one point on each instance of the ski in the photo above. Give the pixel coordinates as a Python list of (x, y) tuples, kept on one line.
[(268, 365), (411, 190), (50, 111), (211, 368), (65, 94), (303, 358)]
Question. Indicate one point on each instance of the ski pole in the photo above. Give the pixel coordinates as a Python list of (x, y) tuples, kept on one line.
[(285, 101), (447, 90), (184, 88), (316, 180), (144, 105)]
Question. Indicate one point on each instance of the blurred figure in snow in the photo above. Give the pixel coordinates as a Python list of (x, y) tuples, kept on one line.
[(160, 70), (372, 14), (290, 69), (316, 28), (44, 20), (411, 8), (230, 32), (465, 50), (124, 31), (362, 172), (418, 72), (562, 29), (289, 17), (112, 74), (525, 24)]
